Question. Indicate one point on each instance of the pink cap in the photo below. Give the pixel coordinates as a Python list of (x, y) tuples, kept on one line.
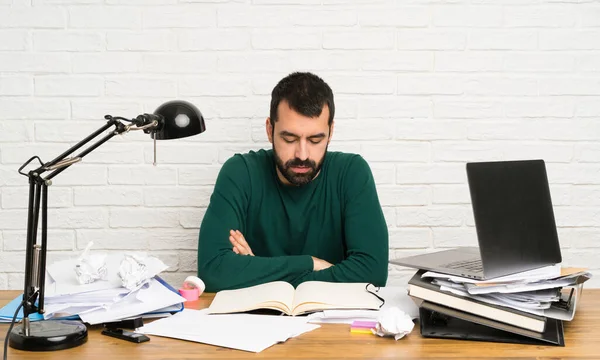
[(189, 294)]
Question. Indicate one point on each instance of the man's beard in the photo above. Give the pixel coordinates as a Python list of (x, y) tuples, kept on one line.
[(294, 178)]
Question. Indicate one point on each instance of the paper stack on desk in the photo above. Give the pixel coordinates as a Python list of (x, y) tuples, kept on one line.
[(394, 296), (531, 304), (103, 300), (537, 295), (246, 332)]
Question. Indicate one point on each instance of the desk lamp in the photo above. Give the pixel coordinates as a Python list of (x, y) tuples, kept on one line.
[(172, 120)]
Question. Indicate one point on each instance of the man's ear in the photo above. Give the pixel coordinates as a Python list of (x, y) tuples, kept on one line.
[(269, 129), (331, 131)]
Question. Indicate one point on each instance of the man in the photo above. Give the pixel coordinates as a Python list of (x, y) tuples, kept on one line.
[(297, 212)]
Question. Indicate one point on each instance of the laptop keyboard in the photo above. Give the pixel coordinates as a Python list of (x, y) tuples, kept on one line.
[(474, 265)]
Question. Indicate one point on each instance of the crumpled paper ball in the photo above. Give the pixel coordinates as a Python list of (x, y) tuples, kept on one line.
[(132, 271), (393, 322), (90, 267)]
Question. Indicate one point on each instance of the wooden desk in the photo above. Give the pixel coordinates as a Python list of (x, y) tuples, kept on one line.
[(582, 338)]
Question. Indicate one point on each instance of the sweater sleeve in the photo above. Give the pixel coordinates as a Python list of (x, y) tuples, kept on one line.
[(365, 229), (218, 266)]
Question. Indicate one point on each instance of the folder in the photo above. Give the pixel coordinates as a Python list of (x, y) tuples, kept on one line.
[(423, 289), (8, 311), (438, 321)]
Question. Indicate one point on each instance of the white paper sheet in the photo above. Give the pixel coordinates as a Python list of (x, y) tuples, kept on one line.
[(342, 316), (63, 279), (147, 299), (246, 332), (394, 296), (544, 295), (397, 296), (101, 296), (521, 287), (547, 272), (498, 301), (56, 312), (542, 309)]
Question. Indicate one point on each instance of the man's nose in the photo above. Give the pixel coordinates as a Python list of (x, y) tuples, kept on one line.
[(302, 150)]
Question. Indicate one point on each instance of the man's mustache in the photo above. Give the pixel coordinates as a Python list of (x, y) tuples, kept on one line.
[(301, 163)]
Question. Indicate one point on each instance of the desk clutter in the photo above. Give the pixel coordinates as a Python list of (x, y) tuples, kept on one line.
[(247, 332), (119, 290), (103, 288), (526, 308), (272, 313)]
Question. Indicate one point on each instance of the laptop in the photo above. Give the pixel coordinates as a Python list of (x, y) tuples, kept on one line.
[(514, 222)]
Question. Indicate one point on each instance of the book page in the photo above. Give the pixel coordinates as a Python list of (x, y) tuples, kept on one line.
[(319, 295), (277, 295)]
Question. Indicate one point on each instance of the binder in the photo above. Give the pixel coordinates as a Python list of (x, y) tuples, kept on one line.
[(173, 309), (8, 311), (420, 288), (438, 321)]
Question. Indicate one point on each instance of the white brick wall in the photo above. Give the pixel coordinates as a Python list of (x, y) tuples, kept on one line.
[(422, 86)]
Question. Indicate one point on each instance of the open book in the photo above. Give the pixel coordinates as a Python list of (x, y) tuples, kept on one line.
[(308, 297)]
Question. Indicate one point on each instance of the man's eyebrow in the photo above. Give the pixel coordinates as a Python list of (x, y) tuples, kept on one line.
[(287, 133)]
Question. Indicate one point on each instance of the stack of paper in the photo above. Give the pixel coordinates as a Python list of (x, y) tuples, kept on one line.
[(155, 296), (550, 292), (525, 308), (103, 300), (394, 296), (246, 332)]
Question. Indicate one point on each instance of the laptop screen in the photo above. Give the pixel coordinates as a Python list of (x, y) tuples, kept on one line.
[(513, 215)]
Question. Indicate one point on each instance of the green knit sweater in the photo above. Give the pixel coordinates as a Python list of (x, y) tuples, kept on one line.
[(336, 217)]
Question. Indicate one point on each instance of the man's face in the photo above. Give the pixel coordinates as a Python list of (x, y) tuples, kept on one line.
[(299, 144)]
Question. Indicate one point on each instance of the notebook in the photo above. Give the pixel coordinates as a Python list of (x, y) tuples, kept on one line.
[(308, 297)]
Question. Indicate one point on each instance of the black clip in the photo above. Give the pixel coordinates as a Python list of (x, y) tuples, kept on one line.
[(565, 304)]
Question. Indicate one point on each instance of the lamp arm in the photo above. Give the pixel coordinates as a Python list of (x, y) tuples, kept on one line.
[(30, 290), (41, 279), (35, 257), (79, 156)]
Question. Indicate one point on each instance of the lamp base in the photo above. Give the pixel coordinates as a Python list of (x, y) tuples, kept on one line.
[(49, 335)]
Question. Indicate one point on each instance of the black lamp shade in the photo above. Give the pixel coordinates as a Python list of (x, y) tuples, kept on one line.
[(180, 119)]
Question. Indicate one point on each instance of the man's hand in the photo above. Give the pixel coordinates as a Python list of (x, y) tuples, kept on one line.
[(240, 246), (319, 264)]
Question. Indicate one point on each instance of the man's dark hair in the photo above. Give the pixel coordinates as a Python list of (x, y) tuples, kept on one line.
[(306, 94)]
